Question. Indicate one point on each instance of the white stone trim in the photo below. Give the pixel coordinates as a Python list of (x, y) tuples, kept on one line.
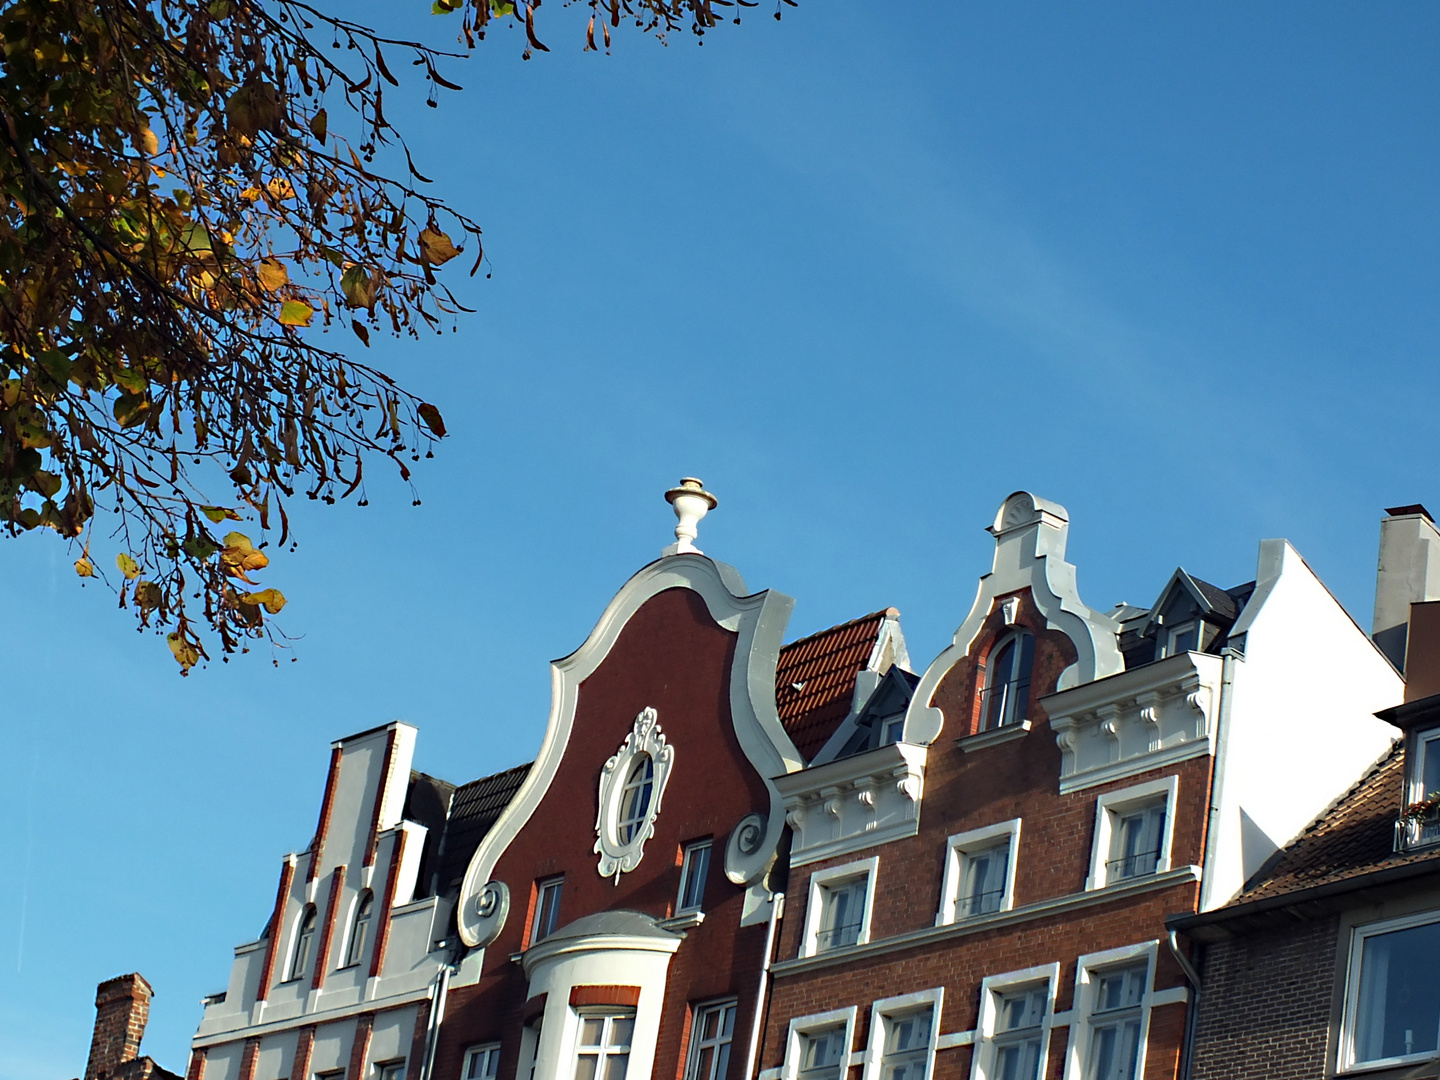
[(993, 737), (1086, 969), (758, 619), (644, 739), (855, 802), (881, 1010), (934, 935), (982, 1060), (954, 1039), (322, 1016), (1111, 803), (977, 839), (803, 1025), (814, 909), (1030, 535)]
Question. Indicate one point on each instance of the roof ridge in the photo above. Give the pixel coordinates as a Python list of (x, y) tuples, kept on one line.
[(882, 613)]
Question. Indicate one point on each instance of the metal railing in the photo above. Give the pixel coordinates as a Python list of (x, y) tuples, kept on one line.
[(1008, 701), (1414, 833), (837, 936), (978, 903), (1131, 866)]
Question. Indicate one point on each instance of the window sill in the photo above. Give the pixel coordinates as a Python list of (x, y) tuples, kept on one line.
[(686, 920), (1092, 886), (993, 737)]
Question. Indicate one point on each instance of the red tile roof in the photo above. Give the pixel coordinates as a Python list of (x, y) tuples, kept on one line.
[(1351, 839), (815, 679)]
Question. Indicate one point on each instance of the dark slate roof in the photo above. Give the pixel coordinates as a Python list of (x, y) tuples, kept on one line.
[(475, 807), (823, 666), (1351, 839), (1220, 601)]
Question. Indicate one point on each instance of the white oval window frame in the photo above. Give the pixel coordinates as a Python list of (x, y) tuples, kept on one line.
[(645, 738)]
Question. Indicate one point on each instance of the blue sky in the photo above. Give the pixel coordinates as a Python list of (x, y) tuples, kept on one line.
[(866, 271)]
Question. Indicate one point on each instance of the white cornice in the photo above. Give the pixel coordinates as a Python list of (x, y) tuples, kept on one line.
[(855, 802), (933, 935), (758, 620)]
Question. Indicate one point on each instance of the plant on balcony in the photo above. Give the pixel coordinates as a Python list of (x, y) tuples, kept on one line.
[(1425, 808)]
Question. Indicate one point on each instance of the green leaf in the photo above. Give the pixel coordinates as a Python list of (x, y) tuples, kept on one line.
[(359, 287), (296, 313), (200, 547), (218, 514)]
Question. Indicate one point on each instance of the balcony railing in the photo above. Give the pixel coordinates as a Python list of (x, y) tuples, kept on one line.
[(1415, 832), (1140, 864), (1004, 704)]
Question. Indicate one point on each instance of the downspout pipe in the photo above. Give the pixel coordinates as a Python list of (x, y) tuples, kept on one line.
[(777, 910), (1192, 1014), (437, 1013)]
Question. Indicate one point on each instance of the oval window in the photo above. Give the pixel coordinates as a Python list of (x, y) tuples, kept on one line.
[(635, 798)]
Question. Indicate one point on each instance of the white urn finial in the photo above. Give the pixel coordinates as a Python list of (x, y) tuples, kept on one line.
[(691, 502)]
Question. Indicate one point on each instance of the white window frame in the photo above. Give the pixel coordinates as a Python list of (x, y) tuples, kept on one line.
[(692, 1052), (1173, 633), (472, 1052), (352, 924), (1358, 935), (958, 847), (708, 845), (296, 966), (386, 1070), (982, 1059), (801, 1026), (600, 1012), (883, 1010), (822, 880), (1111, 805), (1417, 772), (543, 884), (1009, 707), (1087, 969)]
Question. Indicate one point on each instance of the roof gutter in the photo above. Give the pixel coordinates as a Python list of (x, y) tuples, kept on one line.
[(1371, 879), (1192, 1014)]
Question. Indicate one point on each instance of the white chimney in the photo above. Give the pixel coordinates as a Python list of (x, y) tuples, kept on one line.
[(691, 503), (1409, 572)]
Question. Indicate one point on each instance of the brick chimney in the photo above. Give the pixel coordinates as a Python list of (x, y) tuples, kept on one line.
[(122, 1007)]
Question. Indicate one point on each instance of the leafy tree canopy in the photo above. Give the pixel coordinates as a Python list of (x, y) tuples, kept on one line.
[(178, 223)]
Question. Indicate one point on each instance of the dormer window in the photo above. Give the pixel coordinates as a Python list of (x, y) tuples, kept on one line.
[(1007, 681), (1419, 824), (1182, 638)]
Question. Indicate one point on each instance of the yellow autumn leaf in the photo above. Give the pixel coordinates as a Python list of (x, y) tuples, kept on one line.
[(296, 313), (272, 274), (150, 142), (84, 567), (186, 654), (436, 247), (128, 566), (273, 599)]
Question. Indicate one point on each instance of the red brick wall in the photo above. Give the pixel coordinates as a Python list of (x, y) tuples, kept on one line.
[(1265, 1010), (122, 1008), (965, 791), (671, 656)]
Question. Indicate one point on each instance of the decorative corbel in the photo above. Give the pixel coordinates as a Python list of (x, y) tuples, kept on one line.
[(1149, 703)]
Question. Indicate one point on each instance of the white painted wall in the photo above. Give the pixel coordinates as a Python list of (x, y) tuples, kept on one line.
[(1301, 728), (277, 1055)]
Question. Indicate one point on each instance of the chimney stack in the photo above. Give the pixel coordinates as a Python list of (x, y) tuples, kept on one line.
[(1409, 572), (122, 1008)]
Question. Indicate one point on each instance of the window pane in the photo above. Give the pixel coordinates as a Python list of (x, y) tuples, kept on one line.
[(615, 1065), (585, 1067), (693, 874), (1430, 765), (635, 797), (1021, 1010), (1018, 1061), (1399, 1008), (844, 911), (620, 1030), (590, 1030)]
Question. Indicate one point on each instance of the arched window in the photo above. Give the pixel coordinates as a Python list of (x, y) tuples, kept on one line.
[(635, 798), (304, 941), (359, 929), (1007, 681)]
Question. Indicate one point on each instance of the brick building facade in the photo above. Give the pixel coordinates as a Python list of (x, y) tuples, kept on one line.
[(734, 858)]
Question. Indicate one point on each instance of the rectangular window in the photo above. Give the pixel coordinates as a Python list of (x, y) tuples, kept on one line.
[(710, 1038), (1392, 1003), (979, 872), (1133, 830), (838, 914), (842, 914), (603, 1052), (907, 1045), (1135, 842), (390, 1070), (547, 908), (1183, 638), (1427, 766), (694, 868), (823, 1053), (481, 1062), (1012, 1032), (1115, 1023)]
